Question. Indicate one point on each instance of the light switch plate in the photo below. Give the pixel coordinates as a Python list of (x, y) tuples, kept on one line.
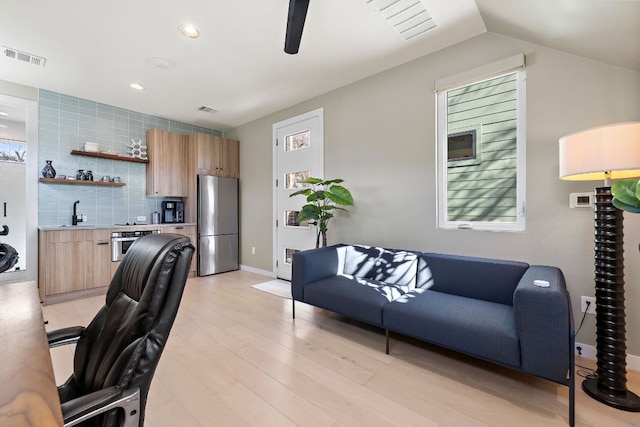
[(141, 218)]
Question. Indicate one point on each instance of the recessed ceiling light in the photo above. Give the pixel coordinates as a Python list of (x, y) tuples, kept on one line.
[(189, 30), (136, 86), (156, 61), (2, 113)]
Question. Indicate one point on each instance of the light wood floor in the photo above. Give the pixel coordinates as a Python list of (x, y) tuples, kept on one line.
[(236, 358)]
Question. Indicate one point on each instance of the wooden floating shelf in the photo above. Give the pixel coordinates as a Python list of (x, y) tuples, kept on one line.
[(108, 156), (81, 182)]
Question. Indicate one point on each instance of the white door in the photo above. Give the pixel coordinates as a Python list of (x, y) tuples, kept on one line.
[(298, 145)]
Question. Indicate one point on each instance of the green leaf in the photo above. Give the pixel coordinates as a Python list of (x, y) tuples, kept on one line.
[(308, 212), (625, 191), (318, 195), (304, 192), (340, 195), (333, 181), (310, 180), (624, 207)]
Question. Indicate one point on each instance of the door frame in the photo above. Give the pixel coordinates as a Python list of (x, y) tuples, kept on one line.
[(318, 112)]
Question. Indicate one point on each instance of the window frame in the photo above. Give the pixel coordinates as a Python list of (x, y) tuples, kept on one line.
[(442, 161)]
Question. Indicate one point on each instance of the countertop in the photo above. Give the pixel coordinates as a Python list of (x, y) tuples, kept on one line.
[(112, 227)]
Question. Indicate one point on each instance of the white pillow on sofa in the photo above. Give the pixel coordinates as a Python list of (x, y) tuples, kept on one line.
[(369, 262)]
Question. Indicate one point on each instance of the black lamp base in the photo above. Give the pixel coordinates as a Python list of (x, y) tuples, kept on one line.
[(629, 401)]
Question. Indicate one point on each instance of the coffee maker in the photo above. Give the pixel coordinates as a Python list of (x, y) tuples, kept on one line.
[(172, 211)]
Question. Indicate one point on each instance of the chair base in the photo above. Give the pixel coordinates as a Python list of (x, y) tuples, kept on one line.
[(629, 401)]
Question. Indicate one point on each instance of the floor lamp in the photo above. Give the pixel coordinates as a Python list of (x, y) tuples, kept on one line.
[(606, 153)]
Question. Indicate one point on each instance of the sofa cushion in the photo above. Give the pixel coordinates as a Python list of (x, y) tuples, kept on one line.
[(385, 265), (485, 279), (358, 298), (480, 328)]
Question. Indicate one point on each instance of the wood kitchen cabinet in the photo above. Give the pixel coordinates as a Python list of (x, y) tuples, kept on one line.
[(167, 153), (214, 155), (191, 232), (73, 261)]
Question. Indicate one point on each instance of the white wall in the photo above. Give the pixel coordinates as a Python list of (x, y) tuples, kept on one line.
[(26, 97), (380, 137)]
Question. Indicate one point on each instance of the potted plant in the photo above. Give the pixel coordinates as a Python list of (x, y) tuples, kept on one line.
[(323, 199)]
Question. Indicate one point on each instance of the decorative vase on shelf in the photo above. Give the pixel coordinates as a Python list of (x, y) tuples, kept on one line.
[(137, 149), (48, 171)]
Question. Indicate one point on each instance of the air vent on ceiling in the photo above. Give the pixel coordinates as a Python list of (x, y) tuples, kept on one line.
[(206, 109), (24, 56), (409, 17)]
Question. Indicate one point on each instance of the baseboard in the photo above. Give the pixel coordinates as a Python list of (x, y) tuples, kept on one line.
[(257, 271), (589, 352)]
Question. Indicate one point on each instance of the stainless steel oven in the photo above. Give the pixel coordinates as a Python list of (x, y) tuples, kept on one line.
[(121, 240)]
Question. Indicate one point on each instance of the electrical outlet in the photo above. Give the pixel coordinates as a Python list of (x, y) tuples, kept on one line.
[(141, 218), (592, 305), (253, 250)]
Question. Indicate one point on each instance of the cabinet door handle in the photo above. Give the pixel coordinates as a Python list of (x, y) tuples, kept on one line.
[(178, 228), (102, 243)]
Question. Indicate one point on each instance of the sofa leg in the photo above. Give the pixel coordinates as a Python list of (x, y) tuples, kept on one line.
[(572, 403), (293, 307), (387, 339), (572, 384)]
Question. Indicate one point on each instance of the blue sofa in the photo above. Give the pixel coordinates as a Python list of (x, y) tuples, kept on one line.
[(506, 312)]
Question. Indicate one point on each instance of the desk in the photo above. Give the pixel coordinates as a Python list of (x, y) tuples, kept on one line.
[(28, 394)]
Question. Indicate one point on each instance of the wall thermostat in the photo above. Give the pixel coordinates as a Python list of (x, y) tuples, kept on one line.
[(580, 200)]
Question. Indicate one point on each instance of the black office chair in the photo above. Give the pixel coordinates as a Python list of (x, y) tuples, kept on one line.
[(117, 354)]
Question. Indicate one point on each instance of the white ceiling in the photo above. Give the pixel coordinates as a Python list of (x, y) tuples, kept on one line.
[(94, 50)]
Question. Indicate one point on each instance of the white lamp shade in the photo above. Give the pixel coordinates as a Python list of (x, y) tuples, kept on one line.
[(604, 152)]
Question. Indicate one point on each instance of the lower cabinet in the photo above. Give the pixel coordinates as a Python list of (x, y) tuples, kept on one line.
[(73, 260), (190, 231)]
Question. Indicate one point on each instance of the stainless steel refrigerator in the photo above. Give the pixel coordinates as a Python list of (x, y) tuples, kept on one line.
[(217, 224)]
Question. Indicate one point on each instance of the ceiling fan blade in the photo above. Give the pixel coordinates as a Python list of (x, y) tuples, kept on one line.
[(295, 24)]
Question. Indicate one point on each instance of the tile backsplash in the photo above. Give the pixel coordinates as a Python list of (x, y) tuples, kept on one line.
[(65, 123)]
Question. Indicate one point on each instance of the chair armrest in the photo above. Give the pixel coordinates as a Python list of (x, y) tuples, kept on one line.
[(64, 336), (310, 266), (544, 323), (90, 405)]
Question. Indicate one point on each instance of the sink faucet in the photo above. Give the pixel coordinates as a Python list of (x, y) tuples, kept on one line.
[(75, 219)]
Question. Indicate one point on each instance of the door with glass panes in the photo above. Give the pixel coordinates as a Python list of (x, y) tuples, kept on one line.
[(298, 155)]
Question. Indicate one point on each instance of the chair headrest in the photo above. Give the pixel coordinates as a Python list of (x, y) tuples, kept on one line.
[(141, 266)]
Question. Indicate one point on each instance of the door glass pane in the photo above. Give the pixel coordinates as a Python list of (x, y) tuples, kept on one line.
[(291, 219), (297, 141), (288, 255), (291, 179)]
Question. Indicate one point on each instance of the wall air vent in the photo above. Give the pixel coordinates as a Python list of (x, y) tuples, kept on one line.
[(206, 109), (409, 17), (24, 56)]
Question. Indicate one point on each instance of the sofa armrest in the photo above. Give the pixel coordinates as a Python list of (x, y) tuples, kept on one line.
[(310, 266), (544, 322)]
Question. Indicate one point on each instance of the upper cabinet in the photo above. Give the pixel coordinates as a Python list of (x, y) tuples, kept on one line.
[(214, 155), (168, 160)]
